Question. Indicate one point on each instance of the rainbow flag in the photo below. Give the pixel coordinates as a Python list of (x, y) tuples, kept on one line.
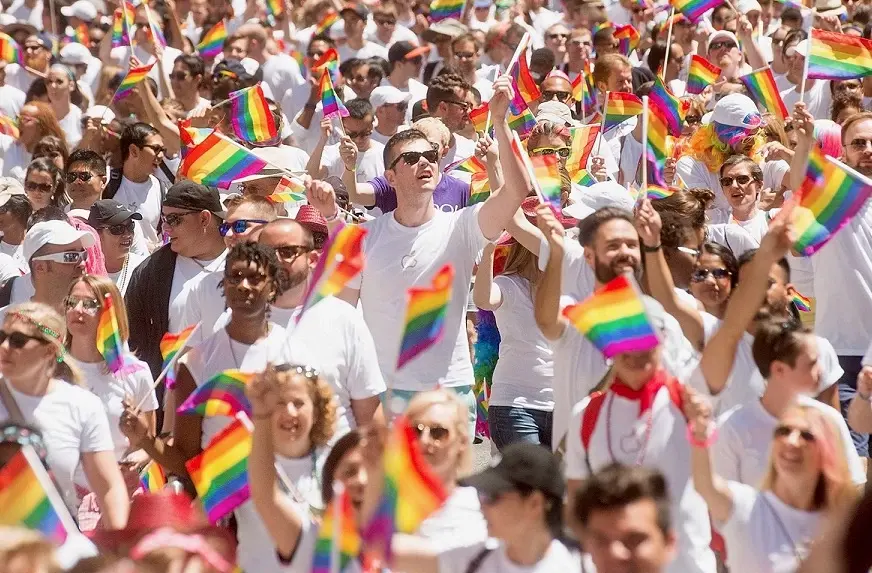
[(411, 491), (133, 77), (80, 36), (170, 345), (331, 103), (546, 170), (329, 61), (275, 7), (613, 318), (580, 146), (619, 107), (670, 108), (581, 92), (443, 9), (218, 162), (628, 39), (601, 26), (479, 188), (839, 56), (109, 342), (471, 164), (339, 523), (762, 89), (522, 123), (526, 88), (830, 195), (24, 501), (802, 303), (694, 9), (330, 18), (251, 117), (583, 178), (657, 146), (153, 478), (655, 192), (701, 74), (425, 316), (154, 29), (212, 42), (220, 472), (289, 190), (122, 23), (10, 50), (221, 395), (478, 117), (342, 261), (8, 126)]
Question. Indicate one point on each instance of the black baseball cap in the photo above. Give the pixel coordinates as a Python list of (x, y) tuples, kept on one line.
[(107, 212), (358, 8), (404, 50), (234, 69), (194, 197), (521, 466)]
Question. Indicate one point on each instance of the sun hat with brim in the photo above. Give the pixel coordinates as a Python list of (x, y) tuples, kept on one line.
[(735, 110), (449, 27), (81, 9), (829, 8), (20, 27), (521, 466), (53, 233)]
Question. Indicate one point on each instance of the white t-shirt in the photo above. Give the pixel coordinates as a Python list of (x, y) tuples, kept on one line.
[(556, 558), (462, 149), (204, 304), (416, 88), (122, 277), (756, 226), (763, 534), (524, 373), (9, 268), (370, 163), (733, 237), (818, 98), (457, 523), (11, 100), (14, 158), (143, 198), (186, 271), (282, 74), (398, 258), (369, 50), (14, 251), (72, 126)]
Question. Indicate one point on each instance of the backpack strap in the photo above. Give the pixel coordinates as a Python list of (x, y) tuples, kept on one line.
[(6, 292), (476, 562), (113, 185), (10, 404), (588, 424)]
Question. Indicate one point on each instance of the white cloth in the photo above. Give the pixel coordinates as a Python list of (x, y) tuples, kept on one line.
[(9, 268), (756, 226), (282, 74), (185, 272), (818, 98), (369, 50), (18, 77), (11, 101), (557, 558), (733, 237), (14, 251), (370, 163), (72, 126), (204, 304), (144, 198), (14, 158), (457, 523), (122, 277)]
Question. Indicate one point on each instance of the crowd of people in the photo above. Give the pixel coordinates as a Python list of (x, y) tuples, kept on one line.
[(739, 442)]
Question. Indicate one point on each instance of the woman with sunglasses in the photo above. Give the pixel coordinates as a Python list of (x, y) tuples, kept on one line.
[(713, 278), (741, 180), (61, 85), (44, 184), (41, 387)]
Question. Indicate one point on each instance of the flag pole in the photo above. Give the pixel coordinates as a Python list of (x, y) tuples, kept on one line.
[(644, 188), (518, 51), (807, 57), (668, 45), (602, 132), (528, 166)]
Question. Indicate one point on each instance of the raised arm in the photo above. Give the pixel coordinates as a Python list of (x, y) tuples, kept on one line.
[(711, 487), (485, 294), (547, 304), (860, 410), (314, 167), (804, 126), (359, 193)]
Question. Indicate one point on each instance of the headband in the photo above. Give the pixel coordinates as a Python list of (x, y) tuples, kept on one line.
[(42, 328)]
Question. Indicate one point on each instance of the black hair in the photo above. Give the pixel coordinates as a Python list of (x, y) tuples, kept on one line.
[(656, 56), (135, 134), (777, 339), (400, 138), (328, 474), (90, 159), (793, 37), (46, 165), (359, 108), (49, 213), (791, 15), (195, 64), (321, 38), (442, 88), (36, 90), (381, 64), (746, 257), (589, 226), (349, 64), (19, 207), (261, 255)]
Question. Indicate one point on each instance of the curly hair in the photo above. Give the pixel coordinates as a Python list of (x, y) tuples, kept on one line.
[(262, 256), (683, 210), (705, 147), (323, 404)]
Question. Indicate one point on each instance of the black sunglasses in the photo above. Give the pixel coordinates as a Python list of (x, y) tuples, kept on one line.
[(83, 176), (18, 340), (238, 227), (120, 228), (699, 275), (740, 179), (437, 433), (291, 252), (550, 95), (413, 157)]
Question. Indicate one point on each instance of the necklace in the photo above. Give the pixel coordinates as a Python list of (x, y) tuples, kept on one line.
[(123, 277), (642, 447), (799, 550)]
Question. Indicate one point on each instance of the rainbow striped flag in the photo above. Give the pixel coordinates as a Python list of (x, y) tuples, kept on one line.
[(701, 74), (10, 50), (338, 527), (526, 88), (522, 123), (601, 26), (221, 395), (289, 190), (122, 23), (619, 107), (546, 170), (329, 61), (658, 144), (220, 472), (342, 261), (628, 39), (583, 178), (218, 162), (275, 7), (830, 195), (655, 192), (133, 77), (8, 126), (170, 345), (425, 316), (613, 318), (331, 103), (471, 164), (762, 89), (839, 56), (80, 36), (582, 92), (694, 9), (478, 117), (670, 108), (154, 30), (802, 303), (330, 18), (580, 146), (479, 188), (153, 478), (212, 42), (444, 9), (251, 117), (109, 342), (411, 492), (24, 500)]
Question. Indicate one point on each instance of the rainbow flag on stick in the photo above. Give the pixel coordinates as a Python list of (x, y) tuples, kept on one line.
[(523, 123), (170, 345), (619, 107), (153, 478), (123, 21), (275, 7), (580, 147), (479, 117), (289, 190), (694, 9), (471, 164), (526, 88), (251, 117), (29, 499), (220, 473), (221, 395), (762, 89), (444, 9), (546, 170), (329, 61), (338, 538), (802, 303), (479, 188), (217, 162), (839, 56), (655, 192), (109, 342), (330, 18), (581, 92), (10, 50), (342, 261), (425, 316), (154, 28), (701, 74), (628, 39), (133, 77), (670, 108), (613, 318), (657, 146), (331, 103), (212, 43), (830, 196)]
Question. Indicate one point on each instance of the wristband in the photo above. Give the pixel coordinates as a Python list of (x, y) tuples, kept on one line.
[(332, 217), (310, 105), (654, 249), (696, 443)]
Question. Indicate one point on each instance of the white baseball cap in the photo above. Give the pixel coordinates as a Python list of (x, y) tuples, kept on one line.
[(555, 112), (387, 95), (81, 9), (53, 233), (721, 35), (75, 53), (598, 196), (747, 6), (800, 48), (735, 110), (10, 186)]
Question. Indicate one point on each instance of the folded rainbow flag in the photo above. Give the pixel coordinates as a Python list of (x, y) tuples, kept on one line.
[(655, 192), (220, 472), (628, 39), (701, 74), (670, 108), (762, 89), (839, 56), (657, 146), (154, 30), (331, 103), (444, 9), (275, 7), (546, 169), (25, 503), (425, 316), (170, 345), (153, 478), (133, 77), (830, 195), (80, 36), (583, 178), (338, 526), (580, 147), (10, 50), (619, 107), (109, 342), (479, 188), (8, 127), (251, 117), (471, 164), (526, 88), (121, 24), (218, 162), (329, 61), (221, 395), (522, 123), (289, 190), (342, 261), (694, 9), (601, 26), (802, 303), (330, 18), (479, 119), (212, 43)]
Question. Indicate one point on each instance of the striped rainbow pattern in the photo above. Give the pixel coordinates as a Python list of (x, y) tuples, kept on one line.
[(122, 23), (133, 77), (221, 395), (275, 7), (619, 107), (10, 50), (546, 170), (153, 478), (655, 192), (657, 147), (802, 303), (580, 146), (583, 178), (8, 126), (830, 195), (670, 108), (251, 117), (80, 35), (613, 318), (479, 188), (628, 39), (582, 93), (170, 345), (109, 342), (694, 9), (839, 56), (478, 117), (481, 409), (23, 501), (331, 103), (522, 123), (330, 18), (344, 255), (469, 165), (154, 29), (526, 88), (425, 316), (220, 472), (443, 9), (329, 61), (212, 43), (289, 190), (601, 26), (217, 162), (411, 492), (349, 538), (701, 74), (762, 89)]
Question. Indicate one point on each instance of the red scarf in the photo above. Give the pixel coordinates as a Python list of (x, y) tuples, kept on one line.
[(646, 394)]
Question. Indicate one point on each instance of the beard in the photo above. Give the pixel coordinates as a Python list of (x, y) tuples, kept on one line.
[(605, 273), (292, 279)]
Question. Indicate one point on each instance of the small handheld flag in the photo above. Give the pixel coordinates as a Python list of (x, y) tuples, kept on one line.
[(221, 395), (109, 342), (330, 18), (133, 77), (546, 169), (341, 261), (628, 39), (331, 103), (762, 89), (218, 162), (251, 117), (338, 537), (153, 478), (289, 190), (10, 50), (694, 9), (25, 500), (839, 56), (701, 74), (444, 9), (526, 88), (802, 303), (479, 188), (619, 107), (170, 345), (212, 43), (220, 472), (425, 316), (471, 164), (479, 117), (580, 147)]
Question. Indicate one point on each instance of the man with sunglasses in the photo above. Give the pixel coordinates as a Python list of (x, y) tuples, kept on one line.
[(450, 99), (390, 106), (406, 60), (115, 224), (330, 161)]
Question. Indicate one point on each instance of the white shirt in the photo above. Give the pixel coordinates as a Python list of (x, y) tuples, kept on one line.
[(734, 238), (818, 98), (144, 198), (11, 100), (14, 158), (14, 251), (122, 277), (186, 270), (370, 163), (18, 77), (557, 558), (204, 304), (463, 148), (398, 258), (400, 34), (72, 126), (9, 268), (756, 226), (457, 523), (524, 373), (282, 74), (369, 50)]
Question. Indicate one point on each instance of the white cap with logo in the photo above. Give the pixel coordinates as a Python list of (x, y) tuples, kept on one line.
[(388, 95)]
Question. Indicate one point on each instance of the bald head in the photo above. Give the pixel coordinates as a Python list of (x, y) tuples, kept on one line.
[(286, 232)]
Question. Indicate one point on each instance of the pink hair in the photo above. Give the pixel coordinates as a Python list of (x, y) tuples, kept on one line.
[(96, 263), (828, 135)]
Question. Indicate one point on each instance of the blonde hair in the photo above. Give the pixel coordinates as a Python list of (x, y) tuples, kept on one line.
[(47, 325), (323, 404), (521, 262), (422, 402), (27, 550), (103, 286), (433, 128)]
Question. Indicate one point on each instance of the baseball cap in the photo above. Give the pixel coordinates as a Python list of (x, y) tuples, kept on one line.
[(75, 53), (720, 36), (596, 197), (358, 8), (234, 68), (404, 50), (448, 27), (480, 4), (53, 233), (748, 6), (10, 186), (735, 110), (521, 466), (110, 212), (105, 114), (194, 197), (81, 9), (800, 48), (387, 95), (555, 112)]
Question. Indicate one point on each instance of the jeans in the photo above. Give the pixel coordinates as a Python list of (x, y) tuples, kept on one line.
[(847, 388), (400, 401), (510, 424)]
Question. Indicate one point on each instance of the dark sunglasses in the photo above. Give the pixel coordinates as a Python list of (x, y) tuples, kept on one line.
[(83, 176), (179, 76), (175, 219), (437, 433), (18, 340), (563, 152), (120, 228), (784, 431), (550, 95), (699, 275), (385, 21), (359, 134), (291, 252), (238, 227), (42, 187), (89, 305), (740, 179), (693, 119), (158, 149), (413, 157), (725, 44)]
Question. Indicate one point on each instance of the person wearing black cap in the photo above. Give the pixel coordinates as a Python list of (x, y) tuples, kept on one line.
[(115, 224), (406, 61), (356, 15)]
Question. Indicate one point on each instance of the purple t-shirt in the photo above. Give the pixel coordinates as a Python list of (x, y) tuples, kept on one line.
[(450, 194)]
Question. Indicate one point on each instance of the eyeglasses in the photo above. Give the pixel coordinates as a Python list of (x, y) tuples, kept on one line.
[(83, 176), (385, 21), (784, 431), (33, 48), (555, 36), (179, 76), (18, 340), (561, 151), (239, 226), (359, 134), (700, 275), (550, 95), (90, 305), (739, 179), (289, 253), (725, 44), (413, 157), (120, 228), (467, 107), (860, 144), (435, 432), (693, 119), (41, 187), (464, 55), (158, 149), (175, 219), (65, 257)]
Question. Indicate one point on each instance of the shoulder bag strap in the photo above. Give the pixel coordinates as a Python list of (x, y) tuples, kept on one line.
[(476, 562), (10, 404)]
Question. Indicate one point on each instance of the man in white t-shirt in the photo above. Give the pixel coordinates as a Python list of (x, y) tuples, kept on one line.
[(406, 60), (355, 16), (326, 160), (390, 105), (450, 99)]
